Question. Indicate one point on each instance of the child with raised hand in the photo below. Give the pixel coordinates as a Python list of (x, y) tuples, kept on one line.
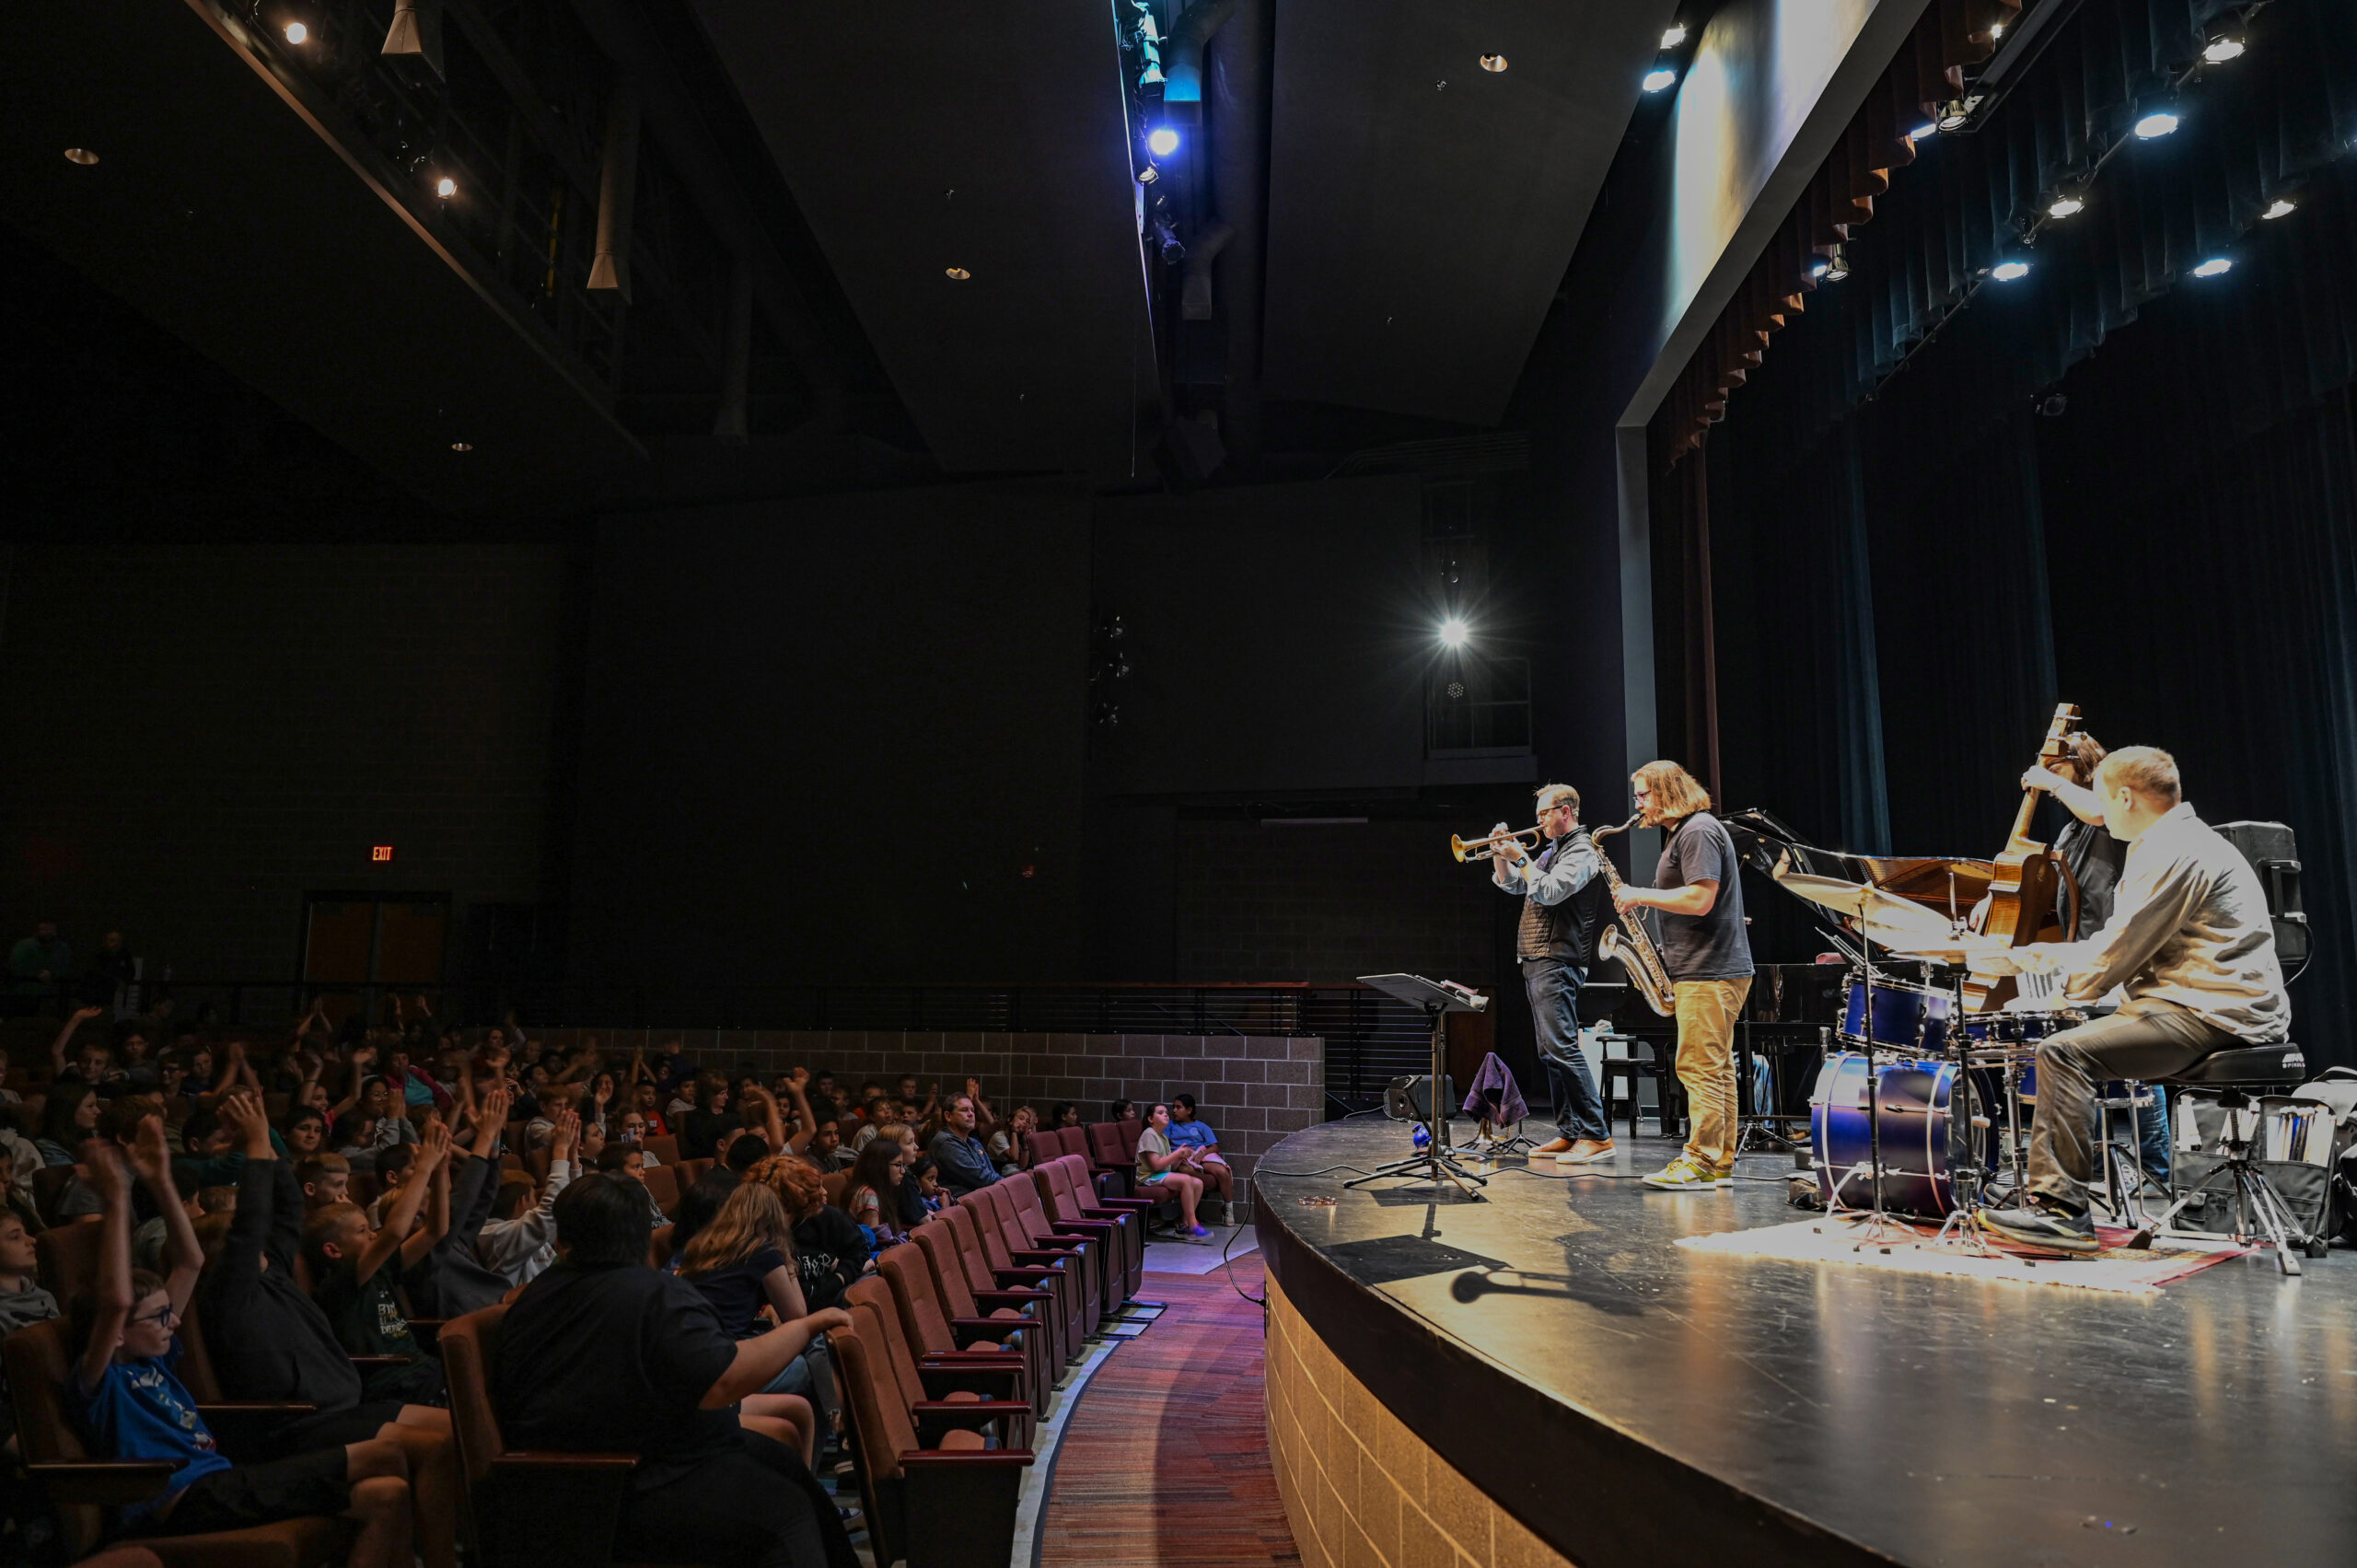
[(271, 1343), (355, 1266), (137, 1408)]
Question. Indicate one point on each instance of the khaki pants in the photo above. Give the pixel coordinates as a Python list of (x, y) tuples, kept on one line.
[(1706, 1015), (2143, 1040)]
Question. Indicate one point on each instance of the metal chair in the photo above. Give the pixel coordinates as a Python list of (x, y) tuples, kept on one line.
[(2235, 1077)]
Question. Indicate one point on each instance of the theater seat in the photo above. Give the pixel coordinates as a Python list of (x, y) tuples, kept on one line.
[(1115, 1169), (69, 1258), (1101, 1252), (246, 1429), (996, 1221), (946, 1502), (936, 1337), (1065, 1187), (996, 1269), (520, 1509), (834, 1183), (1025, 1315), (82, 1489), (664, 1147), (663, 1181), (943, 1393)]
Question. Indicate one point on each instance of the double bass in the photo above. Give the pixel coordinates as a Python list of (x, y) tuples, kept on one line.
[(2027, 875)]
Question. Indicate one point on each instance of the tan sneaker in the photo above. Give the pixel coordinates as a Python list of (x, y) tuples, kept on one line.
[(1682, 1175), (1553, 1146), (1587, 1151)]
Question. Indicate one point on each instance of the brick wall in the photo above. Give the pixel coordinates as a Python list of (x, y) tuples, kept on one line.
[(200, 734), (1253, 1089), (1327, 903)]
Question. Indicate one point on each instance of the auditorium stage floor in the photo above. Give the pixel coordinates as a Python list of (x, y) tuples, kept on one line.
[(1907, 1419)]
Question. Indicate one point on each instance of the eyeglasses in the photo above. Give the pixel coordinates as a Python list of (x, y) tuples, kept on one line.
[(164, 1315)]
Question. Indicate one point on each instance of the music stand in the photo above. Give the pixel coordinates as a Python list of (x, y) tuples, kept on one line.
[(1435, 1164)]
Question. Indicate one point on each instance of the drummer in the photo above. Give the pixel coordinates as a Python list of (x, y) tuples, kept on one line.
[(2192, 947), (2096, 860)]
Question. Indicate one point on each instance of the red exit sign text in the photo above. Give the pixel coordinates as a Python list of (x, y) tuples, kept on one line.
[(380, 853)]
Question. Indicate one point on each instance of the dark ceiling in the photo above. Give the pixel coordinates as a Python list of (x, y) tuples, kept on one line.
[(1421, 209), (835, 161)]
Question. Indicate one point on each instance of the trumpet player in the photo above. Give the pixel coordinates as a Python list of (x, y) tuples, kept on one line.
[(1563, 902), (1708, 954)]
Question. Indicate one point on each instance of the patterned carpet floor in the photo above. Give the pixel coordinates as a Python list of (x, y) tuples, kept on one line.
[(1165, 1462)]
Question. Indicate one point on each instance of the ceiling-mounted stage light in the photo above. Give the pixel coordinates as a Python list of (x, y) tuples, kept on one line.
[(1659, 78), (297, 34), (1494, 61), (1162, 141), (1833, 266), (82, 155), (1674, 35), (957, 273), (2281, 209), (2157, 123), (1454, 633), (446, 187), (1929, 128), (1953, 115), (2011, 270), (407, 35), (2068, 203), (2215, 267), (2224, 47)]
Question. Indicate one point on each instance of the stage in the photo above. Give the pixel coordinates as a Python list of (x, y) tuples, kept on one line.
[(1619, 1400)]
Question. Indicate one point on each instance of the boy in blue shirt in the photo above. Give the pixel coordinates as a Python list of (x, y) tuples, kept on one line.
[(135, 1407)]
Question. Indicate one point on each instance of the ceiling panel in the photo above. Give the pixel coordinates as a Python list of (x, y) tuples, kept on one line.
[(1422, 210), (989, 136)]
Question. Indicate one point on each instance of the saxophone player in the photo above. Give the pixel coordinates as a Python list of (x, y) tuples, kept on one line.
[(1708, 954), (1563, 905)]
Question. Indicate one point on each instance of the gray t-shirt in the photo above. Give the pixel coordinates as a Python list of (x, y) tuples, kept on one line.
[(1713, 946)]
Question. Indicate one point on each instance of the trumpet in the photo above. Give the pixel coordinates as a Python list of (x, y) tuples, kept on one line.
[(1487, 849)]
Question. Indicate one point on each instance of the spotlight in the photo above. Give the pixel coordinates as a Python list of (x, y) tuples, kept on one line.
[(1494, 61), (1148, 175), (1659, 78), (2066, 204), (1162, 141), (2010, 270), (1835, 266), (1954, 115), (2224, 47), (82, 155), (297, 34), (2160, 123), (407, 35), (446, 187), (1674, 35), (462, 445), (1454, 632), (961, 274), (2215, 267), (2282, 209), (1996, 31)]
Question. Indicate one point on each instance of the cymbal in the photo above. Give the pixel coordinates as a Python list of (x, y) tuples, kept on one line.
[(1888, 913)]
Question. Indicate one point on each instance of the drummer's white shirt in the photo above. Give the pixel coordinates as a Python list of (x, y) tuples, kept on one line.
[(2189, 926)]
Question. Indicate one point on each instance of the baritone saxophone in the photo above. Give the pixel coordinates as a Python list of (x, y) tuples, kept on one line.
[(1624, 937)]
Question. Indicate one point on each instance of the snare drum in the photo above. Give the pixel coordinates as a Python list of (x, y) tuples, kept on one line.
[(1931, 1132), (1906, 1017)]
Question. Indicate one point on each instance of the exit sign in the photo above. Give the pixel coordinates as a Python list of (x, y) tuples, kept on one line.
[(380, 853)]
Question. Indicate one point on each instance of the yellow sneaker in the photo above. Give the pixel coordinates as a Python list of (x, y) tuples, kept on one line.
[(1682, 1175)]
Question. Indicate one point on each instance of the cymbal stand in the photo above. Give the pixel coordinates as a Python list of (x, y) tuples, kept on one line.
[(1878, 1228), (1967, 1189)]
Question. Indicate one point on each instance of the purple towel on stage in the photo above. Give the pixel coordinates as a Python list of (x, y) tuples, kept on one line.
[(1495, 1098)]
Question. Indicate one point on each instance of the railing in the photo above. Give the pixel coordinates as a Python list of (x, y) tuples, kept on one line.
[(1370, 1038)]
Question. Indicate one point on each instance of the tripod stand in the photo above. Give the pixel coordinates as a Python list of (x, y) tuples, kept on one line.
[(1434, 1163)]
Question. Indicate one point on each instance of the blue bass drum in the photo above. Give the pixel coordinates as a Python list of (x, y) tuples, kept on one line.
[(1932, 1128)]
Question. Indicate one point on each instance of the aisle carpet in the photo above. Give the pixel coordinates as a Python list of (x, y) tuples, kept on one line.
[(1165, 1462)]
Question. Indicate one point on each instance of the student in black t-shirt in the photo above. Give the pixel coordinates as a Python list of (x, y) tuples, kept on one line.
[(1699, 892), (355, 1266), (705, 1489), (743, 1261)]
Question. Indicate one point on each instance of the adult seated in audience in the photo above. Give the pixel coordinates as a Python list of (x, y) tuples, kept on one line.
[(1006, 1145), (137, 1408), (706, 1489), (872, 1197), (1189, 1131), (1161, 1168), (963, 1164), (271, 1343), (356, 1267)]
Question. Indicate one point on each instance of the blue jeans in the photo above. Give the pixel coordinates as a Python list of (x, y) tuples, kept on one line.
[(1555, 989)]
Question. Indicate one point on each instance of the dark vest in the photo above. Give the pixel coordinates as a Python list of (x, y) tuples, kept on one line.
[(1564, 931)]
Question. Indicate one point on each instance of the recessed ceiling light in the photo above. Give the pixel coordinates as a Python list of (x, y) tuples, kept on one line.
[(1659, 78), (1674, 35), (297, 32), (2215, 267), (2224, 48), (1494, 61), (961, 274), (446, 187), (2065, 207), (2282, 209), (82, 155), (462, 445)]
